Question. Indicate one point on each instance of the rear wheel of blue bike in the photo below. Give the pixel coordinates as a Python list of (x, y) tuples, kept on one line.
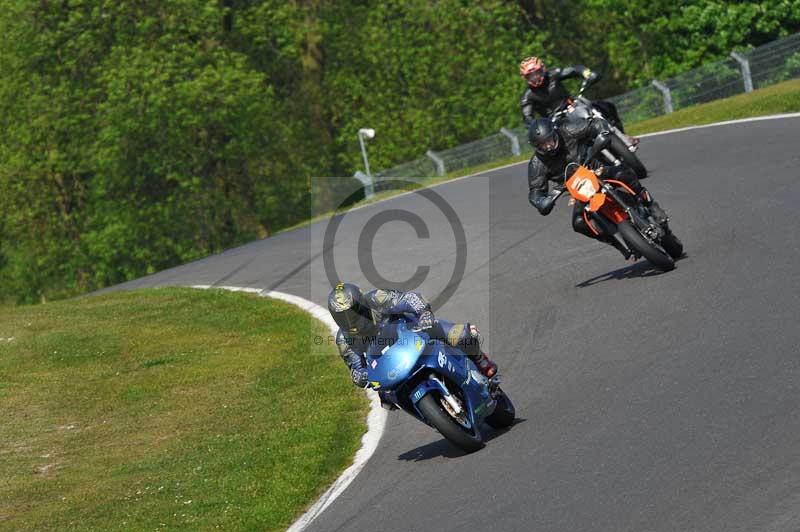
[(451, 427)]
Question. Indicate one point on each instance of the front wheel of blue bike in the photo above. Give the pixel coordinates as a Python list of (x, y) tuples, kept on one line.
[(453, 431), (504, 413)]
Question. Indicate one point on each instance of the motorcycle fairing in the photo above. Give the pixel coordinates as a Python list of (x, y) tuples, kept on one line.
[(409, 355)]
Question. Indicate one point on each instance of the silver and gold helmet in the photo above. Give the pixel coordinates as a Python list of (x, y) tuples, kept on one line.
[(348, 309)]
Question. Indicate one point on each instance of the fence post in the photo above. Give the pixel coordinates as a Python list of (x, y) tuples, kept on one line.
[(369, 187), (437, 160), (745, 65), (514, 140), (665, 93)]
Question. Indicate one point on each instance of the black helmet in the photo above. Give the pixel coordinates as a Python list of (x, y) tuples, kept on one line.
[(351, 314), (543, 136)]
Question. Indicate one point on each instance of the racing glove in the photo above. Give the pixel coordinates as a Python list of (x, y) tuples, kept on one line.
[(544, 204), (360, 377), (425, 320)]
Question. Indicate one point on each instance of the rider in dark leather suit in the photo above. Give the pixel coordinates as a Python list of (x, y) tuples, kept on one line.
[(546, 92), (554, 152), (358, 315)]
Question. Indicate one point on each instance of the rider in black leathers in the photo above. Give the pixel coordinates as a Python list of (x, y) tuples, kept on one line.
[(555, 151), (358, 315), (546, 92)]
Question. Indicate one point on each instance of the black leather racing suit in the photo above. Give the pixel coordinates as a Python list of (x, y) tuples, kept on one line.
[(552, 94), (544, 168), (384, 303)]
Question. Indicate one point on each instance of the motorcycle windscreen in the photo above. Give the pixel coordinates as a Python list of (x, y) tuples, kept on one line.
[(394, 356)]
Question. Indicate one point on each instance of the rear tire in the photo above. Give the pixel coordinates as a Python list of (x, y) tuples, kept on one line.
[(620, 149), (504, 413), (672, 245), (447, 426), (637, 242)]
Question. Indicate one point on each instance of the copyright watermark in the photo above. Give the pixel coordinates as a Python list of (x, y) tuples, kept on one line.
[(375, 340), (414, 239), (369, 249)]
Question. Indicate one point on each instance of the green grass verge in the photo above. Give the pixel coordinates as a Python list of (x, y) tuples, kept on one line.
[(170, 409)]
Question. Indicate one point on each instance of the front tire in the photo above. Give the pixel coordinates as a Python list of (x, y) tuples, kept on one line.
[(620, 149), (433, 412), (637, 242), (672, 245), (504, 413)]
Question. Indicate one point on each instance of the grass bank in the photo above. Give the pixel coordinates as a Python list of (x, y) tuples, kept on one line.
[(170, 409)]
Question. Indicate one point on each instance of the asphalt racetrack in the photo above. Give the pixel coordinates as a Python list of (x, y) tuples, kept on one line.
[(646, 401)]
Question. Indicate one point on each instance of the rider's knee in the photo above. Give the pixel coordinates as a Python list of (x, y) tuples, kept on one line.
[(466, 337)]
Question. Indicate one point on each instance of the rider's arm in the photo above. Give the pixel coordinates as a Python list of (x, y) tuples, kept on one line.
[(578, 71), (394, 302), (400, 302), (538, 186), (530, 108), (355, 361), (526, 105)]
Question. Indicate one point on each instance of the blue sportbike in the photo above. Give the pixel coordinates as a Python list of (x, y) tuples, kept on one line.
[(436, 383)]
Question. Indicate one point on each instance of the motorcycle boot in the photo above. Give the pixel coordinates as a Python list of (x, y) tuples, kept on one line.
[(485, 364), (472, 348)]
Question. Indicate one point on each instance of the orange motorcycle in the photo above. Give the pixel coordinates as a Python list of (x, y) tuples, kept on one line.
[(613, 208)]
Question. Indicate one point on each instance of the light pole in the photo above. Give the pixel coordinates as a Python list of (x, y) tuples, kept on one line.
[(368, 133)]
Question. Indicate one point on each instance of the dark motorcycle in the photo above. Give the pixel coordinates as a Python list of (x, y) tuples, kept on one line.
[(579, 118)]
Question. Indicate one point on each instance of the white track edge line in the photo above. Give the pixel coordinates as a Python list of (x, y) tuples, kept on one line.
[(644, 135), (376, 419)]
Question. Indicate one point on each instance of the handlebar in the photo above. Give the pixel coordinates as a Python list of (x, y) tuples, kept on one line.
[(562, 109)]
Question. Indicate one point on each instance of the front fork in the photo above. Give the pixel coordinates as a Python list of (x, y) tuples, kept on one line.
[(608, 227), (610, 157), (652, 232), (622, 136)]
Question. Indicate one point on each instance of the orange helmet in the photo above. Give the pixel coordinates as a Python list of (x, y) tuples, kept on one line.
[(533, 70)]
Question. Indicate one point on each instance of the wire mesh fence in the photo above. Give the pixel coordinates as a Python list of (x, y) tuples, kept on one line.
[(477, 152), (711, 81), (421, 167), (775, 62), (640, 104), (522, 134), (762, 66)]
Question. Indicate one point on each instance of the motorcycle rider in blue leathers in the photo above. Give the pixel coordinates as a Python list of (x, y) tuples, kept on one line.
[(358, 314)]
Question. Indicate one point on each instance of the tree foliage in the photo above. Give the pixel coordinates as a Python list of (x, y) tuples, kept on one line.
[(139, 135)]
